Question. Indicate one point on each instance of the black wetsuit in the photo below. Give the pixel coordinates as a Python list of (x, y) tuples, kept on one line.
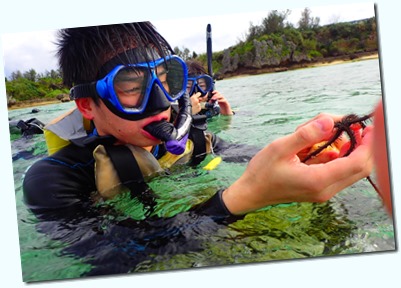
[(58, 190)]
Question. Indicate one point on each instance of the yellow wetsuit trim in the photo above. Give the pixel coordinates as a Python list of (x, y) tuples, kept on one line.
[(60, 130), (54, 142), (213, 163)]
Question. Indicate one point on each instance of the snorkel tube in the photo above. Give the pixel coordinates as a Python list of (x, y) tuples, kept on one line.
[(209, 56), (174, 135), (212, 107)]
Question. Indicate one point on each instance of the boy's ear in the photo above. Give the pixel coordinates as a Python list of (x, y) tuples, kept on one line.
[(84, 105)]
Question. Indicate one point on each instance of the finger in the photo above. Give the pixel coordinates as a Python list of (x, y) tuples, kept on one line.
[(217, 98), (345, 182), (348, 170), (336, 118), (202, 97), (338, 186), (303, 137)]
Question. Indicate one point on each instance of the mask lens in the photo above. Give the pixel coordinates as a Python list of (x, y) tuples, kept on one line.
[(190, 86), (204, 83), (172, 76), (130, 87)]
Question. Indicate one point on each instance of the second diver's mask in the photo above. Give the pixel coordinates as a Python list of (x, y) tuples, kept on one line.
[(202, 83), (144, 87)]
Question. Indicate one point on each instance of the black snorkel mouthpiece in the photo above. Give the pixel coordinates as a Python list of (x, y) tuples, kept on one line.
[(174, 135)]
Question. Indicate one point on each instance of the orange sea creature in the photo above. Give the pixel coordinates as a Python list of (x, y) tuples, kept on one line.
[(347, 136)]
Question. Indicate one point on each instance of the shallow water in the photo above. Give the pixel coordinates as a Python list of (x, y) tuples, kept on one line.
[(267, 106)]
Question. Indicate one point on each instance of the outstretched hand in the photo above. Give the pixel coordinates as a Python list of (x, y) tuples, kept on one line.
[(277, 175)]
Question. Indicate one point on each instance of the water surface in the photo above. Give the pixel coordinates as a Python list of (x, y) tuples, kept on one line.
[(267, 106)]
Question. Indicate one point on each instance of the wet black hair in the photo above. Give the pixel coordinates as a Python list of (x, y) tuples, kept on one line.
[(195, 68), (83, 51)]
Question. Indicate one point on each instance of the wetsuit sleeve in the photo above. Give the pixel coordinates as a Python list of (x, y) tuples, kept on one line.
[(215, 208), (58, 182), (233, 152)]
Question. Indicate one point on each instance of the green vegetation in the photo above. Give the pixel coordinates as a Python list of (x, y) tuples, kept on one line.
[(31, 86)]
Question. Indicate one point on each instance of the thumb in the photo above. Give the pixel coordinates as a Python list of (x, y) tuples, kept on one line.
[(306, 136)]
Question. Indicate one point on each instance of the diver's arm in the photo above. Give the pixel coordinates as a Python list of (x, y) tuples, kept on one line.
[(58, 182), (215, 208), (233, 152)]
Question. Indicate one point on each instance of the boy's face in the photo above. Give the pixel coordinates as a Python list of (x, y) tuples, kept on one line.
[(129, 88), (125, 131)]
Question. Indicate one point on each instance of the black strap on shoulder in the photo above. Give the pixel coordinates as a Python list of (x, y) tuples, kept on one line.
[(125, 164), (197, 135), (130, 175)]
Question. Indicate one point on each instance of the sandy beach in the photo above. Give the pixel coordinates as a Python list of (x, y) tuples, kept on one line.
[(334, 62), (26, 104)]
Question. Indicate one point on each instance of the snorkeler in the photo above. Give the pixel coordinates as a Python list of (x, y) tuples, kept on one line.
[(124, 79), (204, 99), (26, 128)]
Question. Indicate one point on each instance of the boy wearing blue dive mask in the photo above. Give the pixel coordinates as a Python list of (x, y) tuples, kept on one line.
[(134, 91), (199, 86), (124, 79)]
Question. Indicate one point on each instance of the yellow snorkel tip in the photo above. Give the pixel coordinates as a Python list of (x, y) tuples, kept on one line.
[(213, 164)]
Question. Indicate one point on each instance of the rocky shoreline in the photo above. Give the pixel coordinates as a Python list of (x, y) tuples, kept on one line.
[(239, 73), (319, 63)]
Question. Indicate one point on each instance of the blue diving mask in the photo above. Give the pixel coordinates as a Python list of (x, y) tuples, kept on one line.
[(137, 91), (202, 83)]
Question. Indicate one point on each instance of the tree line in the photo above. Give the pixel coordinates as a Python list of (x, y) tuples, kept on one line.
[(30, 85)]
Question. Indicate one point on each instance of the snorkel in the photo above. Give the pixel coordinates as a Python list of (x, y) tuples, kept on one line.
[(209, 56), (174, 135)]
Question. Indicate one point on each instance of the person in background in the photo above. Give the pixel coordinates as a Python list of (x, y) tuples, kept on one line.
[(204, 99)]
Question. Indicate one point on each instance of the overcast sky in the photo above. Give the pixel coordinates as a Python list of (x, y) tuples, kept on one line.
[(26, 50)]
